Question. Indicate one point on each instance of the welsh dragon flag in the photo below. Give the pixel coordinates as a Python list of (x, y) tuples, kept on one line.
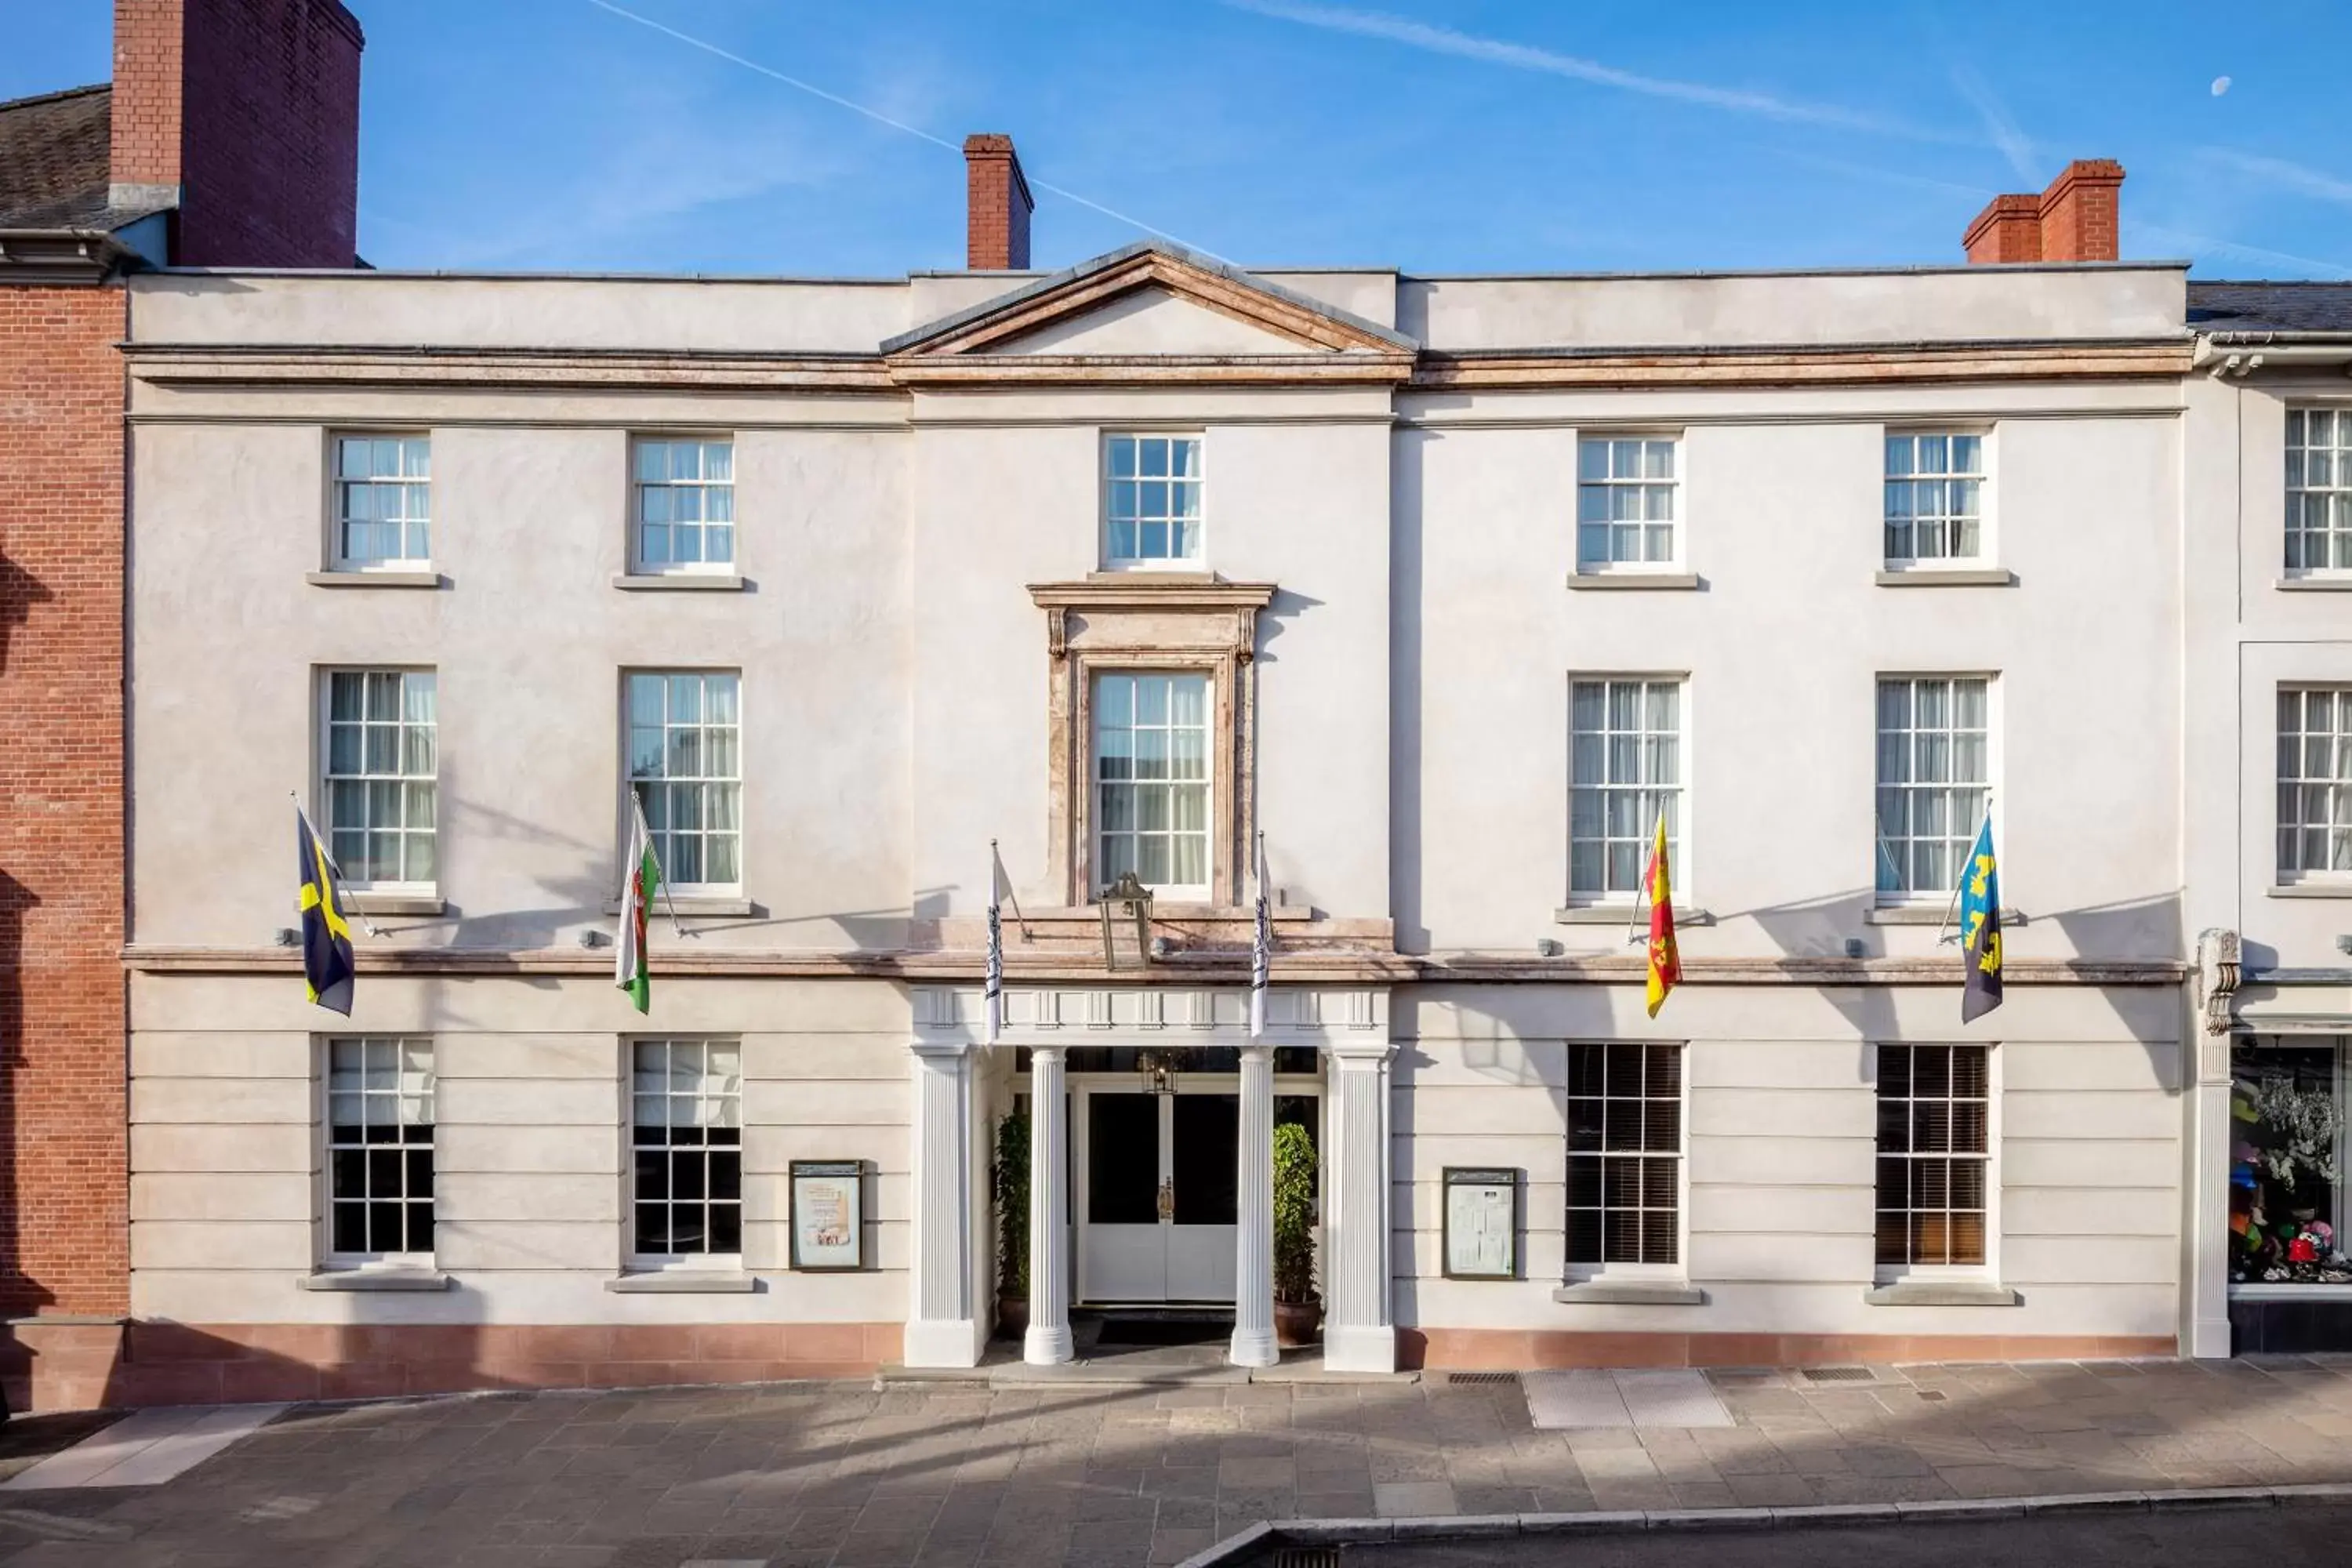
[(641, 879)]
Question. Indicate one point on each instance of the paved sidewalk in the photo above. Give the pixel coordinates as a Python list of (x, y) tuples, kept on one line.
[(846, 1476)]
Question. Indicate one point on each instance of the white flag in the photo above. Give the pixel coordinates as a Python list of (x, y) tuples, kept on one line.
[(992, 988), (1261, 949)]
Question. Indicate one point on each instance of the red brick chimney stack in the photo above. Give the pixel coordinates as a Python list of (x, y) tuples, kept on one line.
[(245, 114), (997, 236), (2075, 220)]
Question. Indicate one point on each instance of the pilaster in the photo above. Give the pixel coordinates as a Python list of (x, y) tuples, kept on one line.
[(1358, 1335), (943, 1328)]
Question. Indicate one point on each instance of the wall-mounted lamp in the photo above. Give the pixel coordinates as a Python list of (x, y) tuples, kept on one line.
[(1130, 899)]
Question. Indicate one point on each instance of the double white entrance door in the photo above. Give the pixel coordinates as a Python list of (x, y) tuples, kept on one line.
[(1154, 1188)]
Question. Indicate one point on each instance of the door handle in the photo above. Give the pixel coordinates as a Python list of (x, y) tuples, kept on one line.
[(1168, 1200)]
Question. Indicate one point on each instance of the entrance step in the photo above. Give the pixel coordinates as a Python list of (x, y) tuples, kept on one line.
[(1157, 1367)]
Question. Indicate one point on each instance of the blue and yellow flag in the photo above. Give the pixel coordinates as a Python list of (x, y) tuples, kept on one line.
[(1980, 928), (326, 966)]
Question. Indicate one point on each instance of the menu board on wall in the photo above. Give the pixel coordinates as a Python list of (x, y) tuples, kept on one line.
[(1481, 1221), (829, 1215)]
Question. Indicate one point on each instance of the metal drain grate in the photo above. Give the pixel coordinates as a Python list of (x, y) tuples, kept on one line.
[(1482, 1377), (1932, 1397), (1839, 1375), (1306, 1557)]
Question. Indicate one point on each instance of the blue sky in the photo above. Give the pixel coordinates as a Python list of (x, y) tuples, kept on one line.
[(1434, 135)]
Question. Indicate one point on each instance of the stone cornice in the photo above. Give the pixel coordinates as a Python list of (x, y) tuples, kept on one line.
[(1803, 364), (411, 368), (1231, 967)]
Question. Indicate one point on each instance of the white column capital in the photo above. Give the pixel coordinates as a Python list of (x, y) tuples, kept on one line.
[(942, 1050), (1360, 1056)]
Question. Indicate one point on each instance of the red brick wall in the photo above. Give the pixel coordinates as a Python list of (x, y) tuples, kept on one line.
[(64, 1203), (251, 107), (996, 238), (146, 100)]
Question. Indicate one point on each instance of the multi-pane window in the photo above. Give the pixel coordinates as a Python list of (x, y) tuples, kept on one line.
[(2319, 489), (687, 1147), (686, 763), (1934, 1130), (2314, 780), (382, 759), (1624, 1153), (379, 1147), (1935, 497), (1624, 502), (1932, 780), (1152, 780), (684, 504), (1624, 768), (383, 500), (1151, 499)]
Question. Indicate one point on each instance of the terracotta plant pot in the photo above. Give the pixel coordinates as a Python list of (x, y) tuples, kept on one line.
[(1013, 1316), (1296, 1323)]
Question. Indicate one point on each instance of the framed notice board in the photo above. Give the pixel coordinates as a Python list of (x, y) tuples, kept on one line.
[(1480, 1223), (828, 1216)]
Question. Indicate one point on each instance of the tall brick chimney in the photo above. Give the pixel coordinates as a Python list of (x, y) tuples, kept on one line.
[(997, 225), (2075, 220), (245, 115)]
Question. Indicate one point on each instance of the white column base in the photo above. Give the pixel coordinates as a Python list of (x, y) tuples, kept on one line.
[(2209, 1339), (1359, 1348), (1047, 1344), (944, 1341), (1254, 1348)]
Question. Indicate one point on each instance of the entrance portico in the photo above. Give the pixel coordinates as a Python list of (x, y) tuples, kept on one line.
[(1151, 1120)]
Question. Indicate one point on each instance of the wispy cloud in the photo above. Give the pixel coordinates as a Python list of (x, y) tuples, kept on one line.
[(2298, 177), (1435, 39), (2013, 142), (880, 118), (2201, 246)]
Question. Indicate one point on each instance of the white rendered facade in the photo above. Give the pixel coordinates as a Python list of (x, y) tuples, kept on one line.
[(1383, 620)]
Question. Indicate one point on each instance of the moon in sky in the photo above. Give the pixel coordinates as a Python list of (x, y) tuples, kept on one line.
[(2220, 85)]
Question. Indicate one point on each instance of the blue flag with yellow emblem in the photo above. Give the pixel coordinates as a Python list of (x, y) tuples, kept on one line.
[(1980, 928), (327, 965)]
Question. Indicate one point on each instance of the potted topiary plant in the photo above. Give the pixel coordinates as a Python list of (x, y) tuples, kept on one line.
[(1008, 1180), (1297, 1310)]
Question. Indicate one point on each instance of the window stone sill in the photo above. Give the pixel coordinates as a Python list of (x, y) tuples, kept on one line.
[(1950, 577), (1634, 580), (375, 1280), (1622, 914), (683, 1282), (1928, 915), (678, 582), (2309, 890), (710, 908), (1942, 1293), (354, 579), (2327, 585), (1625, 1293), (398, 903)]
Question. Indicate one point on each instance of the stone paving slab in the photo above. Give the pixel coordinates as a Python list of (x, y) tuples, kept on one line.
[(845, 1475)]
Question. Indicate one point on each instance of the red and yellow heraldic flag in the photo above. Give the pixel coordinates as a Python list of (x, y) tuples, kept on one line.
[(1665, 963)]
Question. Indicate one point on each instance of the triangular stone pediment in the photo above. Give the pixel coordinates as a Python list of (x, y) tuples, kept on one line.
[(1151, 300)]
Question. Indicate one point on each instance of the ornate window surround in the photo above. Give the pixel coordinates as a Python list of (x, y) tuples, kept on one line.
[(1175, 621)]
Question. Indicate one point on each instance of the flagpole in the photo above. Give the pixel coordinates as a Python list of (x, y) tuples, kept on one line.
[(661, 872), (1636, 931), (995, 864), (343, 899), (1963, 879)]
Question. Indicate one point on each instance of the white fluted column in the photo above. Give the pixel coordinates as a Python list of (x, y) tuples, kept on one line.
[(1048, 1340), (943, 1330), (1254, 1218), (1358, 1332)]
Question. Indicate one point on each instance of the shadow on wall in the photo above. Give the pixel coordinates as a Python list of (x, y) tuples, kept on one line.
[(19, 1295), (20, 592), (77, 1366)]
